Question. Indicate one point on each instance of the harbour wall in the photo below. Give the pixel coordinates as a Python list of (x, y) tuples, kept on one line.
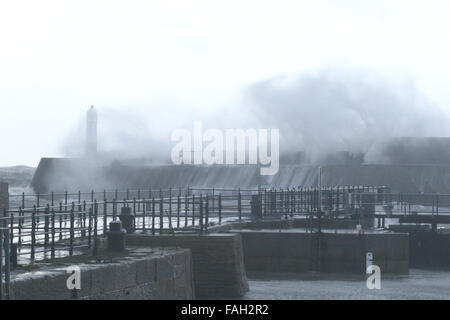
[(4, 198), (144, 274), (291, 251), (57, 174), (218, 261)]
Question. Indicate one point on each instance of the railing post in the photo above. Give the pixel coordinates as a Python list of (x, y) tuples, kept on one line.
[(139, 198), (206, 213), (239, 205), (212, 208), (193, 210), (153, 215), (95, 218), (201, 214), (19, 241), (89, 227), (60, 220), (33, 234), (265, 201), (53, 234), (46, 225), (114, 208), (220, 208), (144, 209), (178, 210), (170, 204), (186, 209), (72, 234), (161, 218), (105, 217), (11, 227)]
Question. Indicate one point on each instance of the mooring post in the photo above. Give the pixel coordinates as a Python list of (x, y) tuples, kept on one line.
[(116, 236), (127, 219)]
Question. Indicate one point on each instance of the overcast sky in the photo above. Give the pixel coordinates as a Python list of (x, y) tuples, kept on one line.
[(160, 57)]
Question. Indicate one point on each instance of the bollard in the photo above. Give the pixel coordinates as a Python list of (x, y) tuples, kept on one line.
[(255, 204), (116, 236), (127, 219), (96, 247)]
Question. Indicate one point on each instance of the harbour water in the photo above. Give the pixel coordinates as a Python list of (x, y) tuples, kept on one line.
[(418, 284)]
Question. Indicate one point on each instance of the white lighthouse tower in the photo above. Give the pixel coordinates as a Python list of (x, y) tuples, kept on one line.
[(91, 133)]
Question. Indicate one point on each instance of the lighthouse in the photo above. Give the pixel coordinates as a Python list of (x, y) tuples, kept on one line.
[(91, 133)]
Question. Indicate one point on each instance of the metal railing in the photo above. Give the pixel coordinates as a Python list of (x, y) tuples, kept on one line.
[(60, 224)]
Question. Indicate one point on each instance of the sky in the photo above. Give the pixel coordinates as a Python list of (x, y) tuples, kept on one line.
[(163, 62)]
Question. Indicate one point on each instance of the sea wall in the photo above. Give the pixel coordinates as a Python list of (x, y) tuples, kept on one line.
[(429, 249), (55, 174), (144, 274), (218, 261), (291, 251), (4, 198)]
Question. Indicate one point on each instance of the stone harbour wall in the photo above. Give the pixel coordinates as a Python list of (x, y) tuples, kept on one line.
[(158, 273), (218, 261), (289, 251)]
